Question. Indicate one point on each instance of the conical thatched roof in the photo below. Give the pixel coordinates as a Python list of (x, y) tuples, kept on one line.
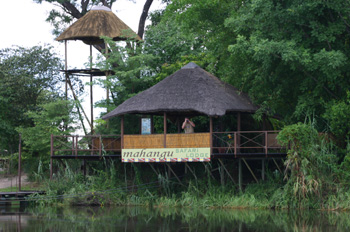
[(189, 91), (99, 21)]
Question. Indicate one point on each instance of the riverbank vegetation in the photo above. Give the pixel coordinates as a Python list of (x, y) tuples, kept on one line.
[(291, 58)]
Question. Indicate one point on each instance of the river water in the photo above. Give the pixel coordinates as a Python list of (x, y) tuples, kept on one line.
[(169, 219)]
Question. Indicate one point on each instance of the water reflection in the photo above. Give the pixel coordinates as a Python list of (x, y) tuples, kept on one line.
[(169, 219)]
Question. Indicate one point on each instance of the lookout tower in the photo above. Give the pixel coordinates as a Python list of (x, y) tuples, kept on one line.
[(99, 21)]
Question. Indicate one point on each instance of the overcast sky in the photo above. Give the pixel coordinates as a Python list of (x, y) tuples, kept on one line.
[(22, 23)]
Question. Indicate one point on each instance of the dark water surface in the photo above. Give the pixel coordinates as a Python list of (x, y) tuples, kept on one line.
[(168, 219)]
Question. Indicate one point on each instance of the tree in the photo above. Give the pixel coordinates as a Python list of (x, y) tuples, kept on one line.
[(54, 118), (72, 9), (26, 74), (293, 55)]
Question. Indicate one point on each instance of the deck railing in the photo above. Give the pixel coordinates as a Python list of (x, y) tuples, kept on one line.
[(77, 145), (230, 143), (246, 142)]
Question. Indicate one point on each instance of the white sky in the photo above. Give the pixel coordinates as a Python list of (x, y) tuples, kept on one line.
[(23, 22)]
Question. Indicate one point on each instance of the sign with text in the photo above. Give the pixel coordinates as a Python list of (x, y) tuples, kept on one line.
[(145, 126), (166, 155)]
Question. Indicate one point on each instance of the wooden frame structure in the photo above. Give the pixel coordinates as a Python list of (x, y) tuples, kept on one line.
[(170, 99)]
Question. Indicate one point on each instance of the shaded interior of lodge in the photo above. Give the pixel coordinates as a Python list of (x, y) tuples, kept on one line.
[(225, 128)]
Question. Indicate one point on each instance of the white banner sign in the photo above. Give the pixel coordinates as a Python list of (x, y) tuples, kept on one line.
[(166, 155)]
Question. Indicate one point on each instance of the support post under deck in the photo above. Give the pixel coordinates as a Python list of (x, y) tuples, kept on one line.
[(240, 174), (165, 129), (263, 169)]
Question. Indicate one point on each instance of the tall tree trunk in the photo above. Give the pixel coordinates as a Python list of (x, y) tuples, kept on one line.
[(143, 17)]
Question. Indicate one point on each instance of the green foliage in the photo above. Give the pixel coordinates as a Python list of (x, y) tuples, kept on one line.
[(28, 77), (290, 44), (311, 166), (53, 118), (337, 114), (132, 70)]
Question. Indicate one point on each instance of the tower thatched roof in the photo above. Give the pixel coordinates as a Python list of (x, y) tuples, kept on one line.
[(99, 21), (189, 91)]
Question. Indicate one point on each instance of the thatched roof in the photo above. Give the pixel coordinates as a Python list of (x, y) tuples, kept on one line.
[(189, 91), (99, 21)]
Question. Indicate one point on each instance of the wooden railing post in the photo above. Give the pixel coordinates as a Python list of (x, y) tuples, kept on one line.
[(165, 129), (211, 134), (19, 162), (235, 139), (73, 145), (51, 156), (122, 131), (76, 145), (100, 147), (266, 149)]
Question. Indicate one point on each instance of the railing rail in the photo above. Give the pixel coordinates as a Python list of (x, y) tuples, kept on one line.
[(246, 142), (230, 143), (77, 145)]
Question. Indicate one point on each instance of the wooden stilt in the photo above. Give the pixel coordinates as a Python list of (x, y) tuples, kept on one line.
[(277, 166), (211, 134), (172, 171), (19, 162), (91, 95), (122, 131), (263, 169), (84, 168), (51, 157), (224, 167), (238, 139), (152, 125), (165, 129), (206, 168), (222, 174), (65, 69), (240, 174), (125, 177), (154, 170), (251, 171), (193, 173)]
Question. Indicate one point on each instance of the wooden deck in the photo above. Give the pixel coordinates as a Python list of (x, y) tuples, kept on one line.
[(233, 144)]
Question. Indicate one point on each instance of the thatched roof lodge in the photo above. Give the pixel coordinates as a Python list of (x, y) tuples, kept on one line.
[(189, 91), (99, 21)]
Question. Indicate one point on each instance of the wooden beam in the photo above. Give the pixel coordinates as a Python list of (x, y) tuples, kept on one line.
[(263, 169), (122, 131), (19, 162), (65, 69), (238, 143), (277, 166), (178, 179), (222, 164), (152, 125), (155, 171), (165, 129), (51, 157), (240, 174), (91, 95), (193, 173), (251, 171), (211, 134), (205, 166)]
